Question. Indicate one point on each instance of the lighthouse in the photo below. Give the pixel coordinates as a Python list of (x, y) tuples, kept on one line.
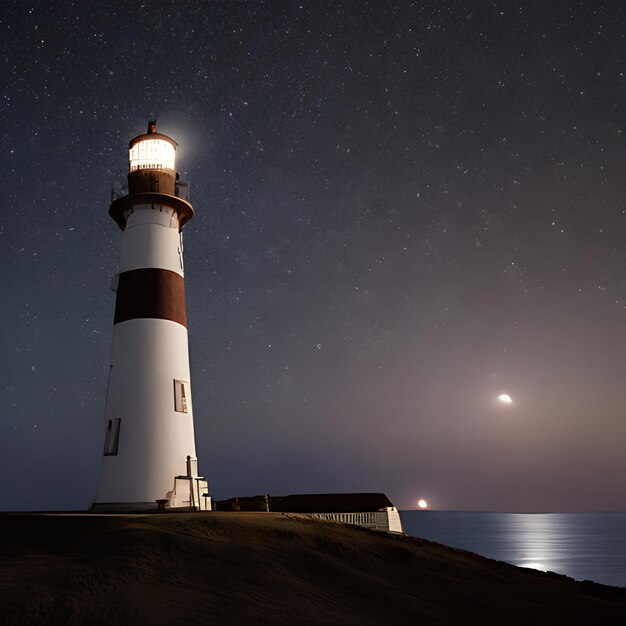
[(149, 458)]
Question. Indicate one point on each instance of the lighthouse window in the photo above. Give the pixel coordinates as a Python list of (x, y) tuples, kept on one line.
[(112, 438), (181, 395)]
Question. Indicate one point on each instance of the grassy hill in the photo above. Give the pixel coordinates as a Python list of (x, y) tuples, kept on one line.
[(267, 568)]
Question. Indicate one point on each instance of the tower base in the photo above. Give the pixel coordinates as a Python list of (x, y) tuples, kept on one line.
[(123, 507), (190, 493)]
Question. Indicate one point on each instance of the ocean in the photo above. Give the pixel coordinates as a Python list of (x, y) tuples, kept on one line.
[(584, 546)]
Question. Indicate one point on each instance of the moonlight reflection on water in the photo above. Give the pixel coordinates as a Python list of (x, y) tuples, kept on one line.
[(584, 546)]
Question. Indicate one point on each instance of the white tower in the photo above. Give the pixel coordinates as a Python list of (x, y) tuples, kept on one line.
[(149, 450)]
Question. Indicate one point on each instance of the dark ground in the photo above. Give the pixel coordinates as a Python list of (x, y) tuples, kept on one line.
[(267, 568)]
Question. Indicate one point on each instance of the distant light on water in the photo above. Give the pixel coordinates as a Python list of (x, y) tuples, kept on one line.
[(422, 504), (540, 566)]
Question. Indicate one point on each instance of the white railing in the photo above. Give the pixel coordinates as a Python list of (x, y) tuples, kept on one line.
[(374, 520)]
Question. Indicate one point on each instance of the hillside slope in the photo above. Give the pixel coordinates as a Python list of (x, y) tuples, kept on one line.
[(266, 568)]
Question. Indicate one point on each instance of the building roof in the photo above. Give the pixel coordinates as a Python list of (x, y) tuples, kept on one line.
[(332, 503)]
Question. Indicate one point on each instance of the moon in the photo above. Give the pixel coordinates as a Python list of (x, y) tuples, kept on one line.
[(505, 398), (423, 504)]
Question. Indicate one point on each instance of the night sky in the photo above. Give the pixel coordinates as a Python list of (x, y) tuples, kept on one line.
[(403, 210)]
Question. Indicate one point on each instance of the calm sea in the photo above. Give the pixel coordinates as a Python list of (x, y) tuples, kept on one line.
[(581, 545)]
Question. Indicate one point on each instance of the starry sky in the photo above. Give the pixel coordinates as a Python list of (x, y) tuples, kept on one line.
[(403, 210)]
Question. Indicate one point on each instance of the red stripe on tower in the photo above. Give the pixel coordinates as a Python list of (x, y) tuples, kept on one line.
[(150, 292)]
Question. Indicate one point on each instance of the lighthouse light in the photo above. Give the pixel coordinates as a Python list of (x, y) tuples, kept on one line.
[(154, 154)]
